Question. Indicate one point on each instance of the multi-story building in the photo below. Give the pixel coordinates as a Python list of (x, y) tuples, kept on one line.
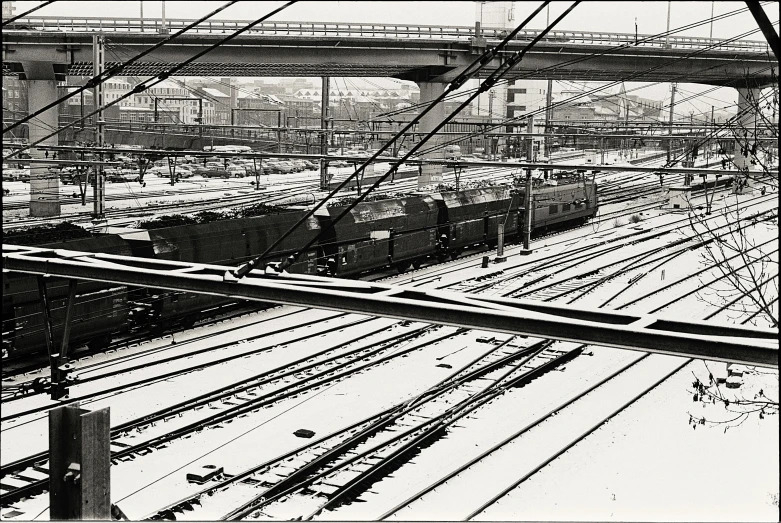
[(296, 107), (171, 96), (257, 109), (8, 9), (14, 98), (527, 97), (222, 103)]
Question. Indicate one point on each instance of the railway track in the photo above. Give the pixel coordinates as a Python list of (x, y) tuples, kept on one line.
[(416, 436), (153, 431), (337, 472)]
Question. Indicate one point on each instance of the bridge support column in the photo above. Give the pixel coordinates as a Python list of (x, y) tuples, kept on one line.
[(746, 128), (429, 91), (44, 186)]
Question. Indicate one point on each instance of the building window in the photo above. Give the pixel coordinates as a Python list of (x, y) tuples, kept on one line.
[(521, 91)]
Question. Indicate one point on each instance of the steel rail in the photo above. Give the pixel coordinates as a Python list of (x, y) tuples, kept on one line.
[(580, 437)]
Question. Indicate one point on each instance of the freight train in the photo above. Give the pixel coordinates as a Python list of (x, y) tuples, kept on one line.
[(396, 232)]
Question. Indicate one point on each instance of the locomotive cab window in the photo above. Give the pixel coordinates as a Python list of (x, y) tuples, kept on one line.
[(553, 209)]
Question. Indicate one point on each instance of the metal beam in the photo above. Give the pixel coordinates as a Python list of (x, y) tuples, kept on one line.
[(525, 317)]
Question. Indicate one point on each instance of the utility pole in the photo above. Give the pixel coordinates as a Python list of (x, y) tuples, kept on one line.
[(326, 86), (712, 4), (279, 131), (667, 35), (234, 102), (164, 26), (710, 145), (527, 220), (142, 15), (491, 95), (548, 112), (99, 193), (670, 123)]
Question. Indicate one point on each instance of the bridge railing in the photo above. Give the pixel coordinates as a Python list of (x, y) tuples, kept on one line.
[(396, 31)]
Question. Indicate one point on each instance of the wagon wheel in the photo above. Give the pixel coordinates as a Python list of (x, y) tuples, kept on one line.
[(417, 263), (455, 253), (189, 320), (402, 266)]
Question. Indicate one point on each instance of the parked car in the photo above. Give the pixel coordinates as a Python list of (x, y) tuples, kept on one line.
[(237, 171), (297, 165), (271, 167), (216, 173), (286, 167), (16, 175)]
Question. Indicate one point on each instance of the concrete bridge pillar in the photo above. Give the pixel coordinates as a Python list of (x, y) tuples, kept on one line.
[(745, 129), (429, 91), (44, 186)]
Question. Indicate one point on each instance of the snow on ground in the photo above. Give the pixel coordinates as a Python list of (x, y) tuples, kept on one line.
[(650, 464), (260, 437), (470, 489), (31, 433), (480, 430)]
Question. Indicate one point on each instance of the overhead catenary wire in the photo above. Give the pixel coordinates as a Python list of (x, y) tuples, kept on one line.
[(608, 50), (524, 116), (505, 67), (465, 75), (166, 74), (17, 17)]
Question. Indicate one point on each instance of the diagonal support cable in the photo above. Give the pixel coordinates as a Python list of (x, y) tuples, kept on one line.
[(140, 88), (105, 75), (459, 81)]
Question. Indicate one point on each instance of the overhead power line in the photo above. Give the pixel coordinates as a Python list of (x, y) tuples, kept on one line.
[(600, 53), (164, 75), (17, 17), (470, 71), (524, 116), (113, 71)]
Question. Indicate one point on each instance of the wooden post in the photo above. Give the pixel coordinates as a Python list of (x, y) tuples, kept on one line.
[(79, 463)]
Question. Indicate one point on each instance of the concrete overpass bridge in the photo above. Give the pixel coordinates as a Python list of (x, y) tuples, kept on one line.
[(42, 50), (409, 52)]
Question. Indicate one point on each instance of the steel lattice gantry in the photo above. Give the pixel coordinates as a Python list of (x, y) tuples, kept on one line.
[(628, 331)]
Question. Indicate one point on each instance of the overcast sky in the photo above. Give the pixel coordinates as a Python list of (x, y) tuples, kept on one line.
[(591, 16), (618, 17)]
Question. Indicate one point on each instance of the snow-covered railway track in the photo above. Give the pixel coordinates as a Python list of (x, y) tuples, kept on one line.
[(156, 430), (537, 443), (337, 472)]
